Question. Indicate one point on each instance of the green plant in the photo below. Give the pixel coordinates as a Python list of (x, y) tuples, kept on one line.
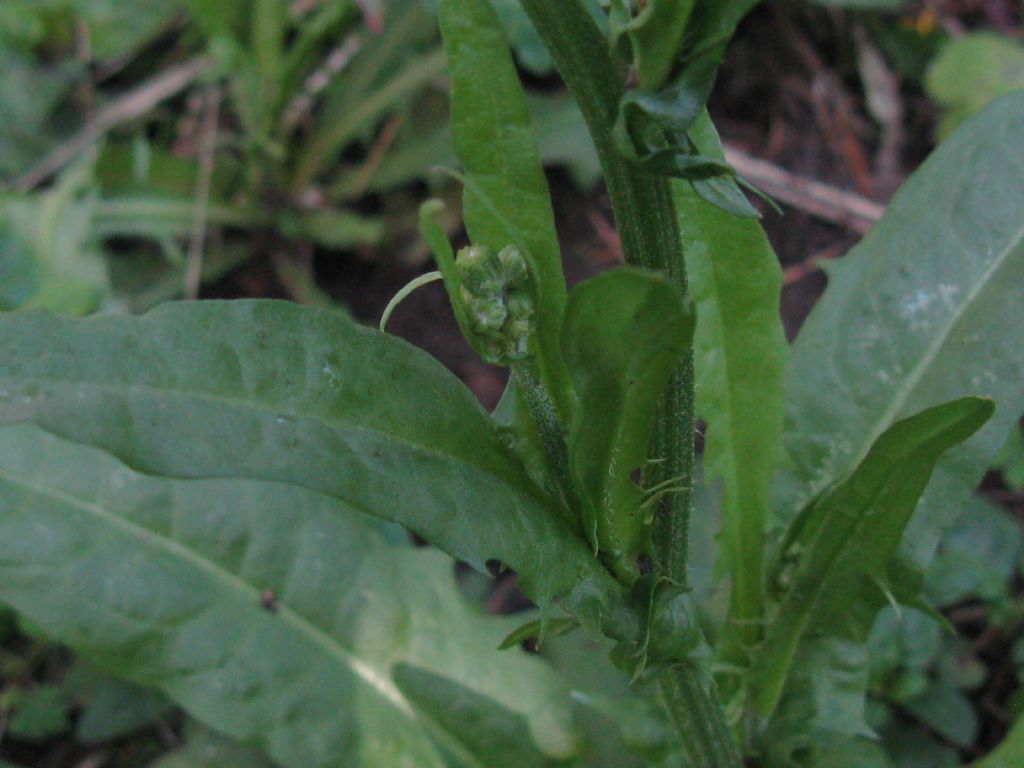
[(301, 121), (212, 511)]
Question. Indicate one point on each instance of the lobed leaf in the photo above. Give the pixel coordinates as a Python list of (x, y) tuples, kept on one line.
[(273, 391), (844, 544), (506, 201), (624, 333), (270, 613), (925, 309), (820, 719)]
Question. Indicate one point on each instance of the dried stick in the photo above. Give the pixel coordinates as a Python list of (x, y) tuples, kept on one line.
[(130, 105), (835, 205)]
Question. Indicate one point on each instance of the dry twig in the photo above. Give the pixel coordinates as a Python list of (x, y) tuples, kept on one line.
[(129, 106), (818, 199), (194, 268)]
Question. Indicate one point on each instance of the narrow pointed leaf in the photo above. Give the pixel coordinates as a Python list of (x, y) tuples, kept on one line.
[(845, 543), (740, 351), (507, 200), (273, 391), (270, 613), (925, 309), (624, 333)]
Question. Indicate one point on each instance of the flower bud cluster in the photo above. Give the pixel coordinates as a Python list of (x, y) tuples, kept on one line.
[(499, 306)]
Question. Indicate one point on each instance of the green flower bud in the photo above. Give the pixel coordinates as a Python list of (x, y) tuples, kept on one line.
[(499, 308), (513, 267)]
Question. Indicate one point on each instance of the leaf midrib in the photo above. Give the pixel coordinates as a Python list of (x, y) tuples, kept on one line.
[(372, 677), (259, 407), (933, 350)]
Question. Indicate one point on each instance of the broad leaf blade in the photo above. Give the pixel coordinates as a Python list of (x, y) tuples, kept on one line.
[(926, 309), (270, 613), (624, 333), (507, 202), (273, 391), (740, 352), (481, 725), (846, 541)]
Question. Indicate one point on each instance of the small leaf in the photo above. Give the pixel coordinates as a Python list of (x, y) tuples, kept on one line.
[(978, 556), (947, 712), (652, 36), (40, 713), (653, 123), (624, 332), (537, 630), (110, 708), (970, 72), (1010, 460), (845, 543)]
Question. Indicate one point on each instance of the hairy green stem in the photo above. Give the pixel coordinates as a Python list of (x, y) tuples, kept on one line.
[(646, 221), (697, 715), (550, 432), (645, 218)]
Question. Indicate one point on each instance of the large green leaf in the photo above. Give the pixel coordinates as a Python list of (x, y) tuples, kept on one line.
[(837, 564), (925, 310), (507, 200), (740, 351), (270, 613), (273, 391), (624, 333)]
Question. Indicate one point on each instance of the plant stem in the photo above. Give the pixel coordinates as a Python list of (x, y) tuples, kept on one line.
[(645, 218), (646, 221), (696, 714)]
